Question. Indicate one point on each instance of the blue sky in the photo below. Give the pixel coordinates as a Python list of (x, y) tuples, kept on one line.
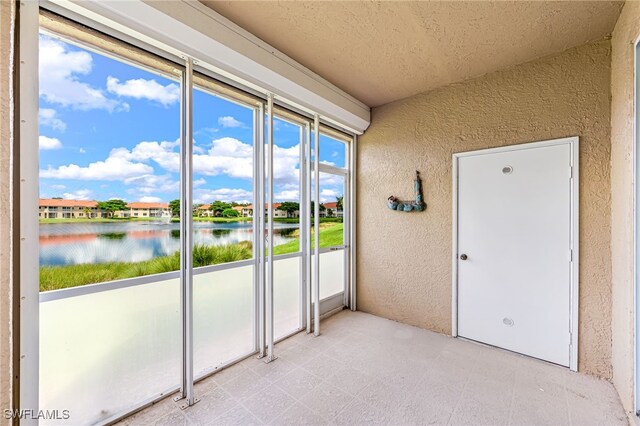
[(111, 130)]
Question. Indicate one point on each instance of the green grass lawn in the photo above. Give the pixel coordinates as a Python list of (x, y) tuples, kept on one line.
[(297, 220), (58, 277), (330, 235)]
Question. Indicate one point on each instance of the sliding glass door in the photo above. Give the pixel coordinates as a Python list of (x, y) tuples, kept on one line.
[(109, 281), (224, 288), (333, 197), (288, 291), (332, 235)]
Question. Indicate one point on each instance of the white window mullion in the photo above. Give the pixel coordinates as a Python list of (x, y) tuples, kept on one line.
[(258, 223), (269, 289), (186, 235), (316, 226), (306, 222)]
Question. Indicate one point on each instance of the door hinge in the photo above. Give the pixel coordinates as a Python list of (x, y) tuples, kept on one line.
[(570, 255), (571, 172)]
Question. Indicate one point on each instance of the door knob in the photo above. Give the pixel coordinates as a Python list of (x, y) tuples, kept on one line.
[(463, 256)]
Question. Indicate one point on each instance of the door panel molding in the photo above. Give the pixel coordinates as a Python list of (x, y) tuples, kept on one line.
[(573, 143)]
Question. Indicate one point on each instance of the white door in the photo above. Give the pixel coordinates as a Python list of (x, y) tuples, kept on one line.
[(514, 268)]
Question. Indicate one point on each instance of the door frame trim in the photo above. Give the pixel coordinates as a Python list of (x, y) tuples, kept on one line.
[(574, 145)]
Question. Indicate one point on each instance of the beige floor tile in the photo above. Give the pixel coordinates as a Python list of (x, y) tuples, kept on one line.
[(150, 414), (291, 342), (360, 413), (268, 404), (365, 370), (298, 382), (237, 416), (298, 415), (245, 385), (324, 366), (210, 406), (595, 409), (350, 380), (493, 392), (433, 382), (175, 418), (471, 411), (298, 354), (539, 409), (320, 343), (205, 386), (384, 396), (426, 412), (229, 373), (326, 400), (274, 370)]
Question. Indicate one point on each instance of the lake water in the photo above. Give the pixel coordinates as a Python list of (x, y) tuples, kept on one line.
[(75, 243)]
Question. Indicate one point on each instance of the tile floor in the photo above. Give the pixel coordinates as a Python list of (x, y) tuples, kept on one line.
[(367, 370)]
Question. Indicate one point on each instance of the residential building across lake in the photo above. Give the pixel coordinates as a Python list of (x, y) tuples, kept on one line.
[(54, 208)]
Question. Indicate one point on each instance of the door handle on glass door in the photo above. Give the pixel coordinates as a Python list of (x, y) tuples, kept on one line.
[(463, 256)]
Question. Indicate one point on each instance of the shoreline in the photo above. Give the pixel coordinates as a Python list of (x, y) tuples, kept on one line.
[(176, 220), (60, 277)]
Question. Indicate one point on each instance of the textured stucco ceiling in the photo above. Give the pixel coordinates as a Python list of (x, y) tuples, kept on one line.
[(383, 51)]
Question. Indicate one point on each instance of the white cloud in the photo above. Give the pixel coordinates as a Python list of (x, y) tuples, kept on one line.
[(81, 194), (150, 199), (328, 179), (47, 143), (58, 187), (287, 195), (150, 184), (226, 156), (165, 154), (223, 194), (113, 168), (286, 165), (59, 73), (145, 89), (206, 132), (328, 195), (82, 151), (228, 121), (47, 117), (198, 149)]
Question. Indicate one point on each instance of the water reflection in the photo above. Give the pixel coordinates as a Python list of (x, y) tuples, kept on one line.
[(113, 235), (73, 243)]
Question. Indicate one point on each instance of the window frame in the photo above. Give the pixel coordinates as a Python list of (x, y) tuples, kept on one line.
[(30, 18)]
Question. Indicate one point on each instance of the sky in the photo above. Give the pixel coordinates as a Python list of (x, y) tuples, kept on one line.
[(111, 130)]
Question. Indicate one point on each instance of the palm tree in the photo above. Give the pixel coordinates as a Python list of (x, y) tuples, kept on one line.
[(87, 212)]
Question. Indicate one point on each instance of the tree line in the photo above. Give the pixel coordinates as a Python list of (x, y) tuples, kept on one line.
[(219, 208)]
